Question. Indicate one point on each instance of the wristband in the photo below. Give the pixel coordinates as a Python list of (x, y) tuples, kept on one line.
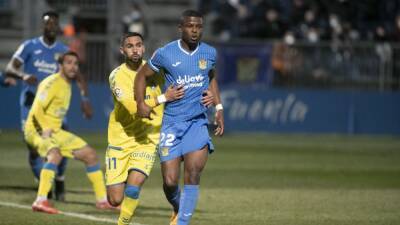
[(84, 98), (219, 107), (25, 77), (161, 99)]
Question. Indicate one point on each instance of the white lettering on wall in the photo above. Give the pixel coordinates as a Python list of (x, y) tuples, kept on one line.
[(280, 110)]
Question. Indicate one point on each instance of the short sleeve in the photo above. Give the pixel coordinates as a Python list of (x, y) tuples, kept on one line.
[(23, 51), (156, 61)]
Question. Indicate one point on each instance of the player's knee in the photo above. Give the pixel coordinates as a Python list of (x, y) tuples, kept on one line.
[(90, 156), (132, 191), (115, 199), (192, 176), (171, 181), (54, 156)]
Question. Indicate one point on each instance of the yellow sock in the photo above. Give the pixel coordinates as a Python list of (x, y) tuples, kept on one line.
[(97, 179), (128, 208), (46, 179)]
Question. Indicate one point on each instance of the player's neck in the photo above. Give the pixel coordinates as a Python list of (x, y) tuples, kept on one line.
[(190, 47), (133, 65), (49, 41), (65, 77)]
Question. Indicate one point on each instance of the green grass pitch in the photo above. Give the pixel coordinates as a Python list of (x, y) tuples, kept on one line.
[(251, 179)]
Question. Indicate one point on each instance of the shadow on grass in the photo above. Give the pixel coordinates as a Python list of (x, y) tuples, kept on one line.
[(34, 189)]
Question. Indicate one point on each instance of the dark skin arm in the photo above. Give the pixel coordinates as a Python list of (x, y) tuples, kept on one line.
[(13, 69), (145, 71), (219, 115)]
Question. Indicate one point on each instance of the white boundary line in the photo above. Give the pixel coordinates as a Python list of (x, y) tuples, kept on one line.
[(70, 214)]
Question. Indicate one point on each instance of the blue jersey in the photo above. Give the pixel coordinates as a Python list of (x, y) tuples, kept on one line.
[(39, 59), (189, 69)]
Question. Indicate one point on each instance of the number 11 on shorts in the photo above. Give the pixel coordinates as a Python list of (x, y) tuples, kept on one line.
[(112, 163)]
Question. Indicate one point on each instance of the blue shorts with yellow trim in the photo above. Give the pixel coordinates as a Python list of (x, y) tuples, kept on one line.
[(178, 139)]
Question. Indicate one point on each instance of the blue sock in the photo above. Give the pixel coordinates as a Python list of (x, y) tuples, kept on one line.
[(188, 203), (62, 167), (173, 196), (36, 163)]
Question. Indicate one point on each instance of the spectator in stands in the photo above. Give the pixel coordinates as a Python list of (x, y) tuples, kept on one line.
[(134, 21)]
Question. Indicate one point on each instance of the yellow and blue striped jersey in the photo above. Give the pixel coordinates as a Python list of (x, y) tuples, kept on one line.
[(50, 105), (125, 129)]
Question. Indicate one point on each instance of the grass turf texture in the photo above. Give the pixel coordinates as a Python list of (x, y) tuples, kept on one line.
[(251, 179)]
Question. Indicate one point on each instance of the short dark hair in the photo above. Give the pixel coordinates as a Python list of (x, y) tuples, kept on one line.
[(190, 13), (50, 14), (130, 34), (62, 57)]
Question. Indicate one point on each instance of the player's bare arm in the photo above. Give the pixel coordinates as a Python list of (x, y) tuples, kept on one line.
[(143, 110), (219, 114), (86, 107), (208, 98), (173, 93), (14, 69)]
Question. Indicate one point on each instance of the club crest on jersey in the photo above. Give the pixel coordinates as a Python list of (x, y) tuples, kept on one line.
[(164, 151), (118, 92), (202, 64)]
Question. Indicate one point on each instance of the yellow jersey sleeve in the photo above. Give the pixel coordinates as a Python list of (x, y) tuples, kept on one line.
[(122, 89)]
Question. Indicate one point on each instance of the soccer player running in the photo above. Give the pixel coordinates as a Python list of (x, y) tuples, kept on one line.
[(43, 131), (132, 140), (184, 134), (34, 60)]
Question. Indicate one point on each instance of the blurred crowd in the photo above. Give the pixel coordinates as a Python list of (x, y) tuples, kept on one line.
[(306, 20)]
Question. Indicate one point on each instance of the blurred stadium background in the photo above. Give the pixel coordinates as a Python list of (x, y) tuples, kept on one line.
[(311, 92)]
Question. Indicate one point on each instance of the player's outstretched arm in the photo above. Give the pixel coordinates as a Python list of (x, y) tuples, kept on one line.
[(219, 114), (86, 107), (143, 110), (14, 69)]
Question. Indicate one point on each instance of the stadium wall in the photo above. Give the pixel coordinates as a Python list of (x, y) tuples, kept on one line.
[(257, 109)]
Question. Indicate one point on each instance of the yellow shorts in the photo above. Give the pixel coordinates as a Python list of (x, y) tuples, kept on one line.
[(119, 162), (65, 141)]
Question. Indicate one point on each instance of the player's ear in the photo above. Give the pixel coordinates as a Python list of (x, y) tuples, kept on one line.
[(180, 27), (121, 50)]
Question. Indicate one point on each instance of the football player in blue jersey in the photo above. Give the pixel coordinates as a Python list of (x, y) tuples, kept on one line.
[(34, 60), (184, 135)]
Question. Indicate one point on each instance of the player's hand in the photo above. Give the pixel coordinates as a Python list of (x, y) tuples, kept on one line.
[(47, 133), (208, 98), (174, 93), (144, 110), (219, 121), (30, 79), (9, 81), (87, 109)]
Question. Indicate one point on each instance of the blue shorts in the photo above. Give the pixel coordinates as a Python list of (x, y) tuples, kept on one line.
[(178, 139)]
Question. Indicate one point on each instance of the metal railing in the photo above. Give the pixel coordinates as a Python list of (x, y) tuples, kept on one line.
[(352, 65)]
